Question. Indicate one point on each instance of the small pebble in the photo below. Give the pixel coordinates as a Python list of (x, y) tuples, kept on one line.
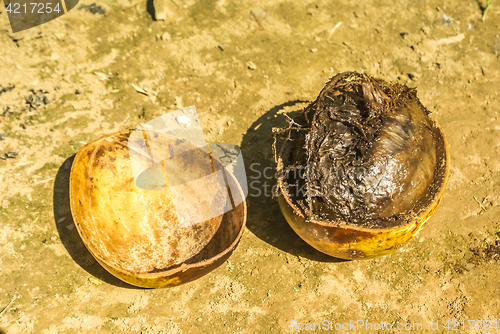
[(10, 155), (3, 136), (221, 46), (251, 65), (63, 101), (94, 280), (78, 91), (22, 126)]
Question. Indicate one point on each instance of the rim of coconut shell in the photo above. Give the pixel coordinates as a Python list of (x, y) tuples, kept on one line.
[(424, 206), (177, 268)]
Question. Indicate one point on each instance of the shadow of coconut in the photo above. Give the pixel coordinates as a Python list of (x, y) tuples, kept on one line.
[(265, 219), (150, 8), (68, 233)]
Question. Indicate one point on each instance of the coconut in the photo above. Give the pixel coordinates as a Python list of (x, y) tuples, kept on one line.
[(365, 158)]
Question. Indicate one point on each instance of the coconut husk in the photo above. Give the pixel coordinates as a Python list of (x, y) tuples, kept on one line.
[(362, 153)]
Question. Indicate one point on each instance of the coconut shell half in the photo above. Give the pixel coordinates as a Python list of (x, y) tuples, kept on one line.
[(374, 165), (141, 228)]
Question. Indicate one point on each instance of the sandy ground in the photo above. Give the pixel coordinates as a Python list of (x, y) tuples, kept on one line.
[(242, 64)]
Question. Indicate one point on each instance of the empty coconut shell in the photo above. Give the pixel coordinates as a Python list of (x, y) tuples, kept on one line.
[(362, 168), (134, 227)]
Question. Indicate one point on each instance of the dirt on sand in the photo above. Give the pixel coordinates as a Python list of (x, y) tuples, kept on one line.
[(244, 64)]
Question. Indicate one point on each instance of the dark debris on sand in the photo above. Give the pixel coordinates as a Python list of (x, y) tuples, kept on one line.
[(37, 98), (93, 9), (8, 155)]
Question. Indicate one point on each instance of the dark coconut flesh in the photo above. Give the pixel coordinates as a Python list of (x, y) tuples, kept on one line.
[(363, 153)]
